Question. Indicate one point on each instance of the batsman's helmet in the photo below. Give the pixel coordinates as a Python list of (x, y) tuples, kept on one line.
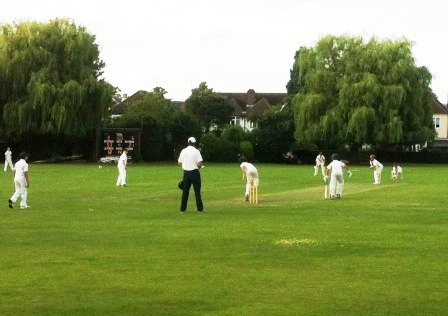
[(335, 156)]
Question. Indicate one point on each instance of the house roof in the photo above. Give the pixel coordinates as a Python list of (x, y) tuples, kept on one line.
[(259, 107), (438, 108), (242, 103), (237, 110), (119, 108), (252, 101)]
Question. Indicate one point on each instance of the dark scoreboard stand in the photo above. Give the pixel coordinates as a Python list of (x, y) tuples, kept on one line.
[(111, 142)]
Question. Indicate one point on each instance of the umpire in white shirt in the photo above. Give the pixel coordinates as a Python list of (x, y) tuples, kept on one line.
[(191, 161)]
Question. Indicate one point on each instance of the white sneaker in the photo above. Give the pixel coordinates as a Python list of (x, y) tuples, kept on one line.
[(24, 207)]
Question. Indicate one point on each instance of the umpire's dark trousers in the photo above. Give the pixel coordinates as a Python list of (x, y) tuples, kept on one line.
[(192, 177)]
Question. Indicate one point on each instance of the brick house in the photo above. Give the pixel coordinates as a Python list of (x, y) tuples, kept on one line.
[(440, 119), (243, 104), (252, 102)]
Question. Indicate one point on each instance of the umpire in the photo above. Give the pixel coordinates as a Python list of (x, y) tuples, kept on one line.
[(191, 161)]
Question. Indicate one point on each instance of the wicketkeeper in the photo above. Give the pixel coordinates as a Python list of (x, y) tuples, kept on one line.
[(397, 171)]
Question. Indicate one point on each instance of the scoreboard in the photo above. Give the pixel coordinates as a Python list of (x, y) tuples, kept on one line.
[(112, 142)]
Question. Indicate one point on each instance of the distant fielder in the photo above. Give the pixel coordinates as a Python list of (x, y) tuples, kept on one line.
[(8, 159), (122, 166), (320, 163), (377, 169)]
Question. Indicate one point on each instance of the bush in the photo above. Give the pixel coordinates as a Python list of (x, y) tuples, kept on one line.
[(217, 149), (247, 150)]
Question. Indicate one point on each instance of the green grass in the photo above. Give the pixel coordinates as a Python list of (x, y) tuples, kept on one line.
[(88, 248)]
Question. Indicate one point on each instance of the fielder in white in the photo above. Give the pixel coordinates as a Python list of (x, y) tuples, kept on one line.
[(397, 171), (21, 182), (8, 159), (320, 163), (122, 166), (377, 169), (335, 170), (250, 173)]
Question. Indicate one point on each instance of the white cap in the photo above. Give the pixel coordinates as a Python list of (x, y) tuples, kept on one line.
[(192, 140)]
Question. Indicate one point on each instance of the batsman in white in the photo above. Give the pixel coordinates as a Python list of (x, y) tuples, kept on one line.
[(21, 182), (320, 163), (335, 170), (250, 173), (377, 169)]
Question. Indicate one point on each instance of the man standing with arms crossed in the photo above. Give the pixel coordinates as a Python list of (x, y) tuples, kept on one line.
[(21, 182), (191, 161)]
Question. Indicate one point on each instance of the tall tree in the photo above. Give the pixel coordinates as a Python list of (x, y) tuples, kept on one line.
[(165, 128), (274, 134), (50, 80), (294, 83), (351, 92), (211, 108)]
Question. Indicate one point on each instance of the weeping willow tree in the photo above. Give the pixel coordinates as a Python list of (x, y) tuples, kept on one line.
[(350, 92), (50, 80)]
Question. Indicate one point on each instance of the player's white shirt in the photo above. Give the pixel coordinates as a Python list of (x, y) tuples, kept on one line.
[(397, 169), (250, 168), (20, 169), (320, 159), (123, 160), (8, 154), (376, 164), (189, 158), (336, 166)]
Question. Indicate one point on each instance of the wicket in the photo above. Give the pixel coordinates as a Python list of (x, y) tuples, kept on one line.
[(326, 189), (253, 193)]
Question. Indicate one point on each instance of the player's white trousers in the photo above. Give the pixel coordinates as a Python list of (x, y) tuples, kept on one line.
[(316, 169), (121, 176), (250, 176), (8, 162), (377, 175), (336, 184), (21, 191)]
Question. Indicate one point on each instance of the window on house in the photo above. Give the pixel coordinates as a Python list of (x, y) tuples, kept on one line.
[(436, 121), (234, 120)]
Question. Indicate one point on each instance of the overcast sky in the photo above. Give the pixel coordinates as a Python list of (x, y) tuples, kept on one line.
[(235, 45)]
